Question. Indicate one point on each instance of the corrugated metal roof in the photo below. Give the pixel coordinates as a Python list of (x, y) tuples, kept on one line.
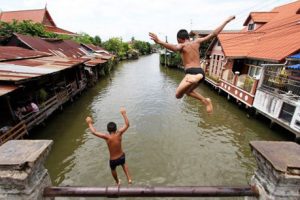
[(62, 48), (95, 62), (13, 53), (26, 69), (99, 52), (5, 89)]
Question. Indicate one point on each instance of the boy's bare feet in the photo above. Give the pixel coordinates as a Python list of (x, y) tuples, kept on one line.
[(209, 106), (194, 78), (119, 182), (129, 181)]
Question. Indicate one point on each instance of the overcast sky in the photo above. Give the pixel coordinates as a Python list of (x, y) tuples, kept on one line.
[(135, 18)]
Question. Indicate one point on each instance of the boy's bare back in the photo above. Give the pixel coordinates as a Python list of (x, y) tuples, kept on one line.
[(190, 54), (114, 143)]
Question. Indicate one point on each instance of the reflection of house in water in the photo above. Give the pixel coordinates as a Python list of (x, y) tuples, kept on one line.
[(278, 96), (236, 59)]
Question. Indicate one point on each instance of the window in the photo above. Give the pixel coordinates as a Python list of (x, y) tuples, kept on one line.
[(287, 112), (254, 71), (250, 27)]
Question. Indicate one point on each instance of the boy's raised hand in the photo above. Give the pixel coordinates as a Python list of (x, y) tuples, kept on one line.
[(123, 111), (231, 18), (154, 37), (89, 120)]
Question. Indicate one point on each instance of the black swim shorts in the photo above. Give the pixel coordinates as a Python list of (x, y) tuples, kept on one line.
[(114, 163), (195, 70)]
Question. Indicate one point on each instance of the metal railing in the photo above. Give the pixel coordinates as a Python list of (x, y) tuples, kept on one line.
[(274, 81), (171, 191)]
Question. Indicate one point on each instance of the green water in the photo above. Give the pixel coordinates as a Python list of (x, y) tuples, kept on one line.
[(170, 142)]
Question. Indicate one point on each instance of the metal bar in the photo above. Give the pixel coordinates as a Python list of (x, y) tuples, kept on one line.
[(175, 191)]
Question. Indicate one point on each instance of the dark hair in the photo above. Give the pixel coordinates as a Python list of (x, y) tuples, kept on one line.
[(183, 34), (111, 127)]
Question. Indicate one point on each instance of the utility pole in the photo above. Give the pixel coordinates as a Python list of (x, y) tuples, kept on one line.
[(166, 52)]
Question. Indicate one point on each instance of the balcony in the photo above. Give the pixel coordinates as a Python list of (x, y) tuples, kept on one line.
[(242, 87)]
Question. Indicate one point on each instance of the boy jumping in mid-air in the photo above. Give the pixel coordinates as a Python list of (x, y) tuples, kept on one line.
[(114, 143), (189, 51)]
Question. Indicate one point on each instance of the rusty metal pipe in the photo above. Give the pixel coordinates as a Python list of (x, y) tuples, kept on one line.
[(172, 191)]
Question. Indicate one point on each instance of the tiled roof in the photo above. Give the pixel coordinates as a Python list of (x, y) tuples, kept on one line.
[(260, 17), (238, 45), (57, 30), (274, 41), (4, 89), (36, 16)]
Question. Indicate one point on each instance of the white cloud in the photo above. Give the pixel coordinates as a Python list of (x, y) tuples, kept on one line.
[(127, 18)]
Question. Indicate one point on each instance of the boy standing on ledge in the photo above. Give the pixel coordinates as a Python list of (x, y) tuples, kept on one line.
[(189, 51), (114, 143)]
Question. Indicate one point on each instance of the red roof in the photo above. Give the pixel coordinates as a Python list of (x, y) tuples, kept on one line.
[(260, 17), (4, 89), (274, 41), (57, 30), (37, 16)]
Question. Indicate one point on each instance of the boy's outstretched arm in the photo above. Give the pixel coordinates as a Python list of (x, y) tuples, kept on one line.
[(126, 125), (216, 31), (89, 121), (169, 46)]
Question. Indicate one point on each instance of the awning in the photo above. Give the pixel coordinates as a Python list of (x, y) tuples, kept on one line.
[(296, 56), (297, 67)]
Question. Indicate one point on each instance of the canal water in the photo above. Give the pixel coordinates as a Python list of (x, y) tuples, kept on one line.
[(170, 142)]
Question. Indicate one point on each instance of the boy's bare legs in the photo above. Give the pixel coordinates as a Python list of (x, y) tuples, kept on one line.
[(126, 171), (187, 86), (205, 101), (115, 175), (187, 82)]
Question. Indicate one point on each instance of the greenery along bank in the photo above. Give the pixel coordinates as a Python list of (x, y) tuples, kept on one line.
[(116, 45)]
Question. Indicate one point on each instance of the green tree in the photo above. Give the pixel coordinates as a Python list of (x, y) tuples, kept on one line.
[(25, 27), (116, 46), (97, 40)]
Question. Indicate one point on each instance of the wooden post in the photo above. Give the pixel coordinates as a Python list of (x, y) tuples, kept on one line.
[(236, 76), (254, 86)]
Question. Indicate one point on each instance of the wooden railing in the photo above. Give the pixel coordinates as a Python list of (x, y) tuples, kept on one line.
[(32, 119), (16, 132)]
